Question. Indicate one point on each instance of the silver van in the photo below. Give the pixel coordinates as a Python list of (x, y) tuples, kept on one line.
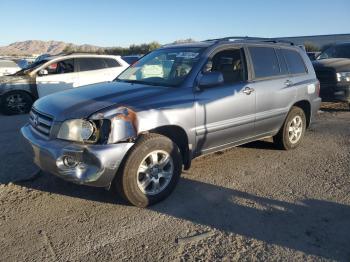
[(137, 133)]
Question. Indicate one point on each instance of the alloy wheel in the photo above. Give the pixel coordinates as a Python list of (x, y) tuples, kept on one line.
[(155, 172), (16, 102), (295, 129)]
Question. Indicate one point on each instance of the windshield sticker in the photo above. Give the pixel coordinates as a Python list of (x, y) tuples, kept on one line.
[(188, 55)]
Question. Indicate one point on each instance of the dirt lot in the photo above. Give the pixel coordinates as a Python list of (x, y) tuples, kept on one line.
[(248, 203)]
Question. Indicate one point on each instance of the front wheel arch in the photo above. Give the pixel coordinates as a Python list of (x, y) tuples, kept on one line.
[(179, 137)]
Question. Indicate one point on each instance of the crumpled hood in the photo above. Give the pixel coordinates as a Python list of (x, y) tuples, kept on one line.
[(85, 101), (339, 64), (13, 79)]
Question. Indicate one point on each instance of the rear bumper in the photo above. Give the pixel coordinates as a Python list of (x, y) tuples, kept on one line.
[(97, 164)]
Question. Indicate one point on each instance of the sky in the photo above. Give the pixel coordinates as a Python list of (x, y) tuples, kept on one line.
[(121, 23)]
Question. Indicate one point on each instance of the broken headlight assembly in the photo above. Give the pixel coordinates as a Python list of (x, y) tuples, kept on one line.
[(118, 125), (79, 130)]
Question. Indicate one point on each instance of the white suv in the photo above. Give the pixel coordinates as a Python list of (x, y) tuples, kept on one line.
[(55, 74)]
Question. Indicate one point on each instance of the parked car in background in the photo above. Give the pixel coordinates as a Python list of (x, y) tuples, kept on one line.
[(24, 62), (137, 133), (54, 74), (131, 59), (8, 67), (313, 55), (333, 71)]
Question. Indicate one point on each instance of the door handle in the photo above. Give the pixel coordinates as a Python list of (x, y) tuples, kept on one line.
[(288, 83), (247, 90)]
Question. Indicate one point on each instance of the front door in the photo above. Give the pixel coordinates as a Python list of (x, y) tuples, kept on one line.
[(56, 77), (225, 114)]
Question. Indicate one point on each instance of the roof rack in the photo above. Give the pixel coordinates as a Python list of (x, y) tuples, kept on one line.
[(247, 38), (76, 53)]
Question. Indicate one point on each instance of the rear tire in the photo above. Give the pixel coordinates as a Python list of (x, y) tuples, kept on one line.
[(292, 131), (150, 172), (16, 102)]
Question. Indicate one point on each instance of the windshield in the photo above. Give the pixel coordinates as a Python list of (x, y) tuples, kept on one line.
[(338, 51), (168, 67), (30, 67)]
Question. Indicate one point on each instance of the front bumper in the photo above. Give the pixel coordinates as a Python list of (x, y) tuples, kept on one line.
[(342, 92), (97, 166), (336, 91)]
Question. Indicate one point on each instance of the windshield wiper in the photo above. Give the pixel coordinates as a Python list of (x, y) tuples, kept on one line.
[(138, 82)]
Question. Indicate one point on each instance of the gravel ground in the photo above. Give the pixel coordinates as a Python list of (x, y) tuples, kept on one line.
[(249, 203)]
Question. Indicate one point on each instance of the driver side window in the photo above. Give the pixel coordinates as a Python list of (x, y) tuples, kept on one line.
[(229, 63), (61, 67)]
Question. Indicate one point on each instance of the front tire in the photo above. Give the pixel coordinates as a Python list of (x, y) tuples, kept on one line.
[(16, 102), (292, 131), (150, 172)]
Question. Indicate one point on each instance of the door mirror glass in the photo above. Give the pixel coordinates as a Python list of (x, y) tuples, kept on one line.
[(211, 79), (43, 72)]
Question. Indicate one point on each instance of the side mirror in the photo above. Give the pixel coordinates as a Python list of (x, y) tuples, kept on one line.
[(43, 72), (211, 79)]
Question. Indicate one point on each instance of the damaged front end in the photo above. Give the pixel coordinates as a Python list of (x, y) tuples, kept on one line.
[(123, 124), (84, 151)]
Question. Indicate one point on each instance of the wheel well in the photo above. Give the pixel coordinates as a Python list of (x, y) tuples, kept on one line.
[(179, 137), (306, 107)]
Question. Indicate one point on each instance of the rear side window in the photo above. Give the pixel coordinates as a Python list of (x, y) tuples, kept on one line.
[(282, 62), (265, 61), (294, 61), (88, 64), (111, 62)]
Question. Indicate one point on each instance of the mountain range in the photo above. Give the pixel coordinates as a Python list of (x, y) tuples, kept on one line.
[(30, 47)]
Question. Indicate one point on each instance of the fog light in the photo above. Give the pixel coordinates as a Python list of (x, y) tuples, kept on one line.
[(70, 162)]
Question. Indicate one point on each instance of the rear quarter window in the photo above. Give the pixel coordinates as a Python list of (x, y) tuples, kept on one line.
[(294, 61), (88, 64), (111, 62), (265, 62)]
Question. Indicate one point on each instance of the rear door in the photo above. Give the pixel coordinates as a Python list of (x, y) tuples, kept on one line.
[(93, 70), (60, 76), (298, 73), (114, 68), (273, 88)]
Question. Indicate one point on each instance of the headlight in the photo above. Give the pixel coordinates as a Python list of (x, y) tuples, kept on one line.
[(79, 130), (343, 77), (123, 124)]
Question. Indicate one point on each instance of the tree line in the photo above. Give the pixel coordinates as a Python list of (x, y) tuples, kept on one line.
[(131, 50), (146, 48)]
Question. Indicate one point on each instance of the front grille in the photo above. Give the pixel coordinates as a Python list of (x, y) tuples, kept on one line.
[(326, 76), (40, 122)]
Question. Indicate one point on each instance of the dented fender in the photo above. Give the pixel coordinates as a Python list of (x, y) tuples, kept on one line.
[(123, 124), (127, 124)]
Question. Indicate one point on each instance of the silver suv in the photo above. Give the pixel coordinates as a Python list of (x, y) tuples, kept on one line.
[(137, 133)]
